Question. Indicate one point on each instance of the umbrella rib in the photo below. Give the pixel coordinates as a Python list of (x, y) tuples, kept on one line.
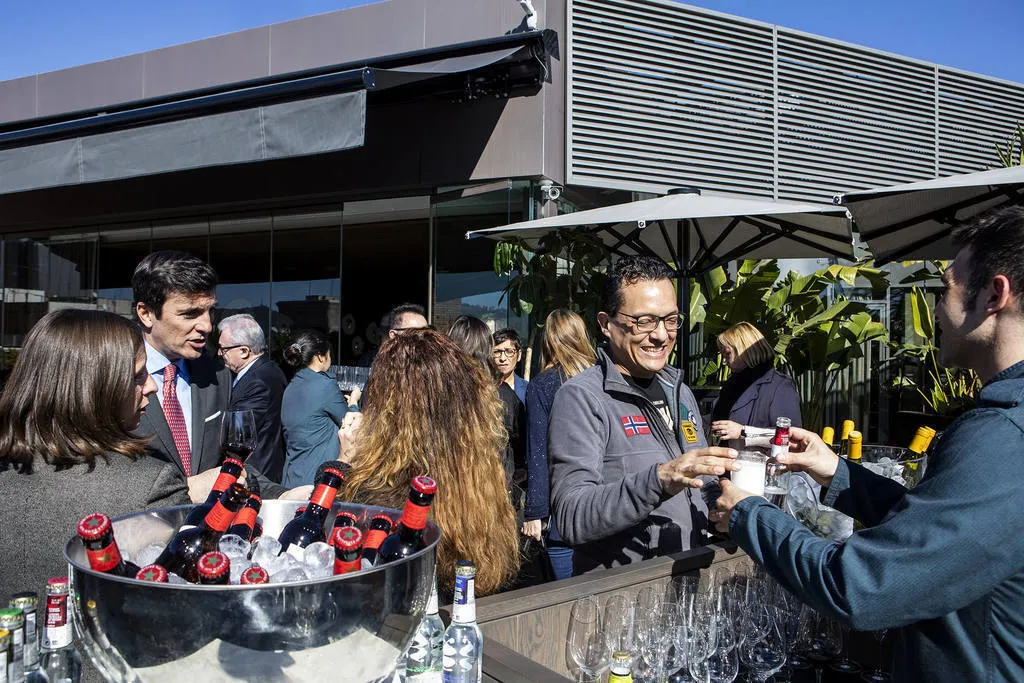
[(948, 211), (668, 242), (724, 234), (788, 228), (897, 254), (637, 246)]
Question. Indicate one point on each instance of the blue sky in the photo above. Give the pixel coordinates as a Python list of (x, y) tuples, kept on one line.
[(976, 35)]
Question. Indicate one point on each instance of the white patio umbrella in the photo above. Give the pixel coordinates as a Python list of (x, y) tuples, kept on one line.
[(693, 232), (914, 221)]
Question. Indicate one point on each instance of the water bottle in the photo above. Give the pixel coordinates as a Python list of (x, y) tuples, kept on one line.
[(463, 642), (423, 659)]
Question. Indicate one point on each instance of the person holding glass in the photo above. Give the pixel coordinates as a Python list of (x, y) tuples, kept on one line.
[(755, 394), (943, 562), (312, 409)]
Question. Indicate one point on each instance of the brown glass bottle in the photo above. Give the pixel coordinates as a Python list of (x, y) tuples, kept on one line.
[(407, 538), (245, 521), (380, 527), (183, 552), (214, 569), (230, 471), (152, 572), (255, 575), (348, 544), (97, 534), (309, 526), (345, 518)]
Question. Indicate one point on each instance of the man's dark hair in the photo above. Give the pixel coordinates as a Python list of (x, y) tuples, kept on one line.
[(402, 309), (629, 270), (995, 239), (508, 334), (163, 273)]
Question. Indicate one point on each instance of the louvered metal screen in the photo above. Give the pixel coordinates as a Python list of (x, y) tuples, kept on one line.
[(663, 95)]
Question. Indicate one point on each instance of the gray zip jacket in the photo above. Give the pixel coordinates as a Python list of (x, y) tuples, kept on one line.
[(605, 442)]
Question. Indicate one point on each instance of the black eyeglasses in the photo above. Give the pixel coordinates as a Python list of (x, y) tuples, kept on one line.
[(649, 323), (224, 349), (504, 353)]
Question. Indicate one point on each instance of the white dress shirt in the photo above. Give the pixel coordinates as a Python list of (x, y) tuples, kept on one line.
[(155, 364)]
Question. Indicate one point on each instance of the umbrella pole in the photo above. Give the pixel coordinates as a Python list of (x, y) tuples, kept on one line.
[(683, 292)]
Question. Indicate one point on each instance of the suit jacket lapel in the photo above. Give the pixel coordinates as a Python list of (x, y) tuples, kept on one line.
[(155, 422), (199, 410)]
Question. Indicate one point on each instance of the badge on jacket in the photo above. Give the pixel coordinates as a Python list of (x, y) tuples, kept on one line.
[(689, 432), (635, 425)]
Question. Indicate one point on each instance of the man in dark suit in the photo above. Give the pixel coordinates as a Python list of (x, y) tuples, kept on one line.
[(258, 386), (174, 295)]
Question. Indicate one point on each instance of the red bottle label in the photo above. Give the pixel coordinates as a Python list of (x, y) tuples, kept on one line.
[(341, 567), (224, 481), (104, 559), (374, 537), (414, 516), (56, 610), (324, 496), (219, 517), (246, 516)]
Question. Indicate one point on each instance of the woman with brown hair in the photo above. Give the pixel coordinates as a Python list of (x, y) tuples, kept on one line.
[(78, 390), (430, 409), (566, 351)]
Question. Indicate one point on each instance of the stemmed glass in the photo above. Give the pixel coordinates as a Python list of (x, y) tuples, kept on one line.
[(844, 665), (764, 648), (878, 674), (587, 646), (618, 624), (723, 664), (237, 434), (824, 644)]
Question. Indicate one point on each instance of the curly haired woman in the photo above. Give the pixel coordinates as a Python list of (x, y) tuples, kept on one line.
[(430, 409)]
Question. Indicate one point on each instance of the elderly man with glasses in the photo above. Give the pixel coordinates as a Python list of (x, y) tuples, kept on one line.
[(628, 455)]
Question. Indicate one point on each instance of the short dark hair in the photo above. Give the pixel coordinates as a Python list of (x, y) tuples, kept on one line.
[(629, 270), (163, 273), (307, 343), (474, 337), (995, 239), (402, 309), (508, 334)]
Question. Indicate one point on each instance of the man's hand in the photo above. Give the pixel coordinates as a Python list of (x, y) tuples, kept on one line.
[(808, 453), (532, 528), (347, 437), (200, 485), (353, 397), (731, 494), (727, 429), (682, 471)]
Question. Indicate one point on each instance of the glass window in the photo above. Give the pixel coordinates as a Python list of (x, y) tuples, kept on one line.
[(240, 253)]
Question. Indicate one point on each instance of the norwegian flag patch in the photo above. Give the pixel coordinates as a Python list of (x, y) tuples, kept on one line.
[(635, 425)]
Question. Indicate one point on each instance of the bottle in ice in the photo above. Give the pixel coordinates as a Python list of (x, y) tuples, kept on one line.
[(407, 537), (254, 575), (856, 447), (97, 534), (183, 552), (153, 573), (230, 471), (309, 526), (844, 438), (425, 656), (245, 521), (348, 546), (828, 435), (60, 662), (462, 654), (380, 527), (28, 603), (214, 568), (345, 518)]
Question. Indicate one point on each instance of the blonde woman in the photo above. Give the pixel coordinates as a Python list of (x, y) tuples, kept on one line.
[(429, 408), (755, 394), (566, 351)]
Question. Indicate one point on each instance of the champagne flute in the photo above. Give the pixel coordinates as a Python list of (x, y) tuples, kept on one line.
[(587, 646), (878, 674), (237, 434)]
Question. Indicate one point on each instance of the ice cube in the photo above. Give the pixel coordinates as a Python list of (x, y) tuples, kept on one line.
[(264, 549), (174, 578), (318, 560), (149, 554), (287, 575), (237, 569), (235, 547), (276, 564)]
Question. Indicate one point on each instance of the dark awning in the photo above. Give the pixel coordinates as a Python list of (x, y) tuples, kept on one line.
[(310, 112)]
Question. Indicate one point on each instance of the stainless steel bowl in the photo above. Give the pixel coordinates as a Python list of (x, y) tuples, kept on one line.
[(907, 467), (354, 626)]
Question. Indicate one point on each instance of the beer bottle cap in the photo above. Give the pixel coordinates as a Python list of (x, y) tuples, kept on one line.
[(382, 517), (424, 484), (347, 538), (254, 575), (213, 565), (345, 518), (26, 602), (233, 461), (57, 585), (335, 471), (152, 572), (93, 526), (253, 496)]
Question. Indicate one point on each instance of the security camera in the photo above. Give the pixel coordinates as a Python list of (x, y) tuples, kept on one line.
[(549, 191), (531, 14)]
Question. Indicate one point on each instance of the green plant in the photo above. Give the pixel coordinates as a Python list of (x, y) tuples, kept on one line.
[(1013, 154), (814, 340)]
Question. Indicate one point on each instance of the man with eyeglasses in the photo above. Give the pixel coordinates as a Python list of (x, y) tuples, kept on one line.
[(508, 350), (628, 454)]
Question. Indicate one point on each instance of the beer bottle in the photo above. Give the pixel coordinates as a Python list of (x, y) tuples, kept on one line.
[(183, 552), (152, 572), (345, 518), (407, 538), (245, 521), (28, 602), (309, 526), (828, 435), (347, 542), (97, 534), (463, 642), (844, 439), (855, 447), (214, 569), (254, 575), (230, 471), (60, 662), (380, 527), (298, 511), (621, 670), (13, 621)]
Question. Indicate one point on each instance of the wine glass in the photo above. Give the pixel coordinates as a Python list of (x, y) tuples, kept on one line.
[(764, 650), (878, 674), (824, 643), (844, 665), (723, 664), (618, 624), (587, 646), (237, 434)]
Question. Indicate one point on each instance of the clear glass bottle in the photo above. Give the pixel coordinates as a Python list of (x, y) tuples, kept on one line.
[(462, 656), (424, 658), (28, 602), (60, 662)]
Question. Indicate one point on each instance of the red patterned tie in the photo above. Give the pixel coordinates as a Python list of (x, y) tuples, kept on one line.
[(175, 418)]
